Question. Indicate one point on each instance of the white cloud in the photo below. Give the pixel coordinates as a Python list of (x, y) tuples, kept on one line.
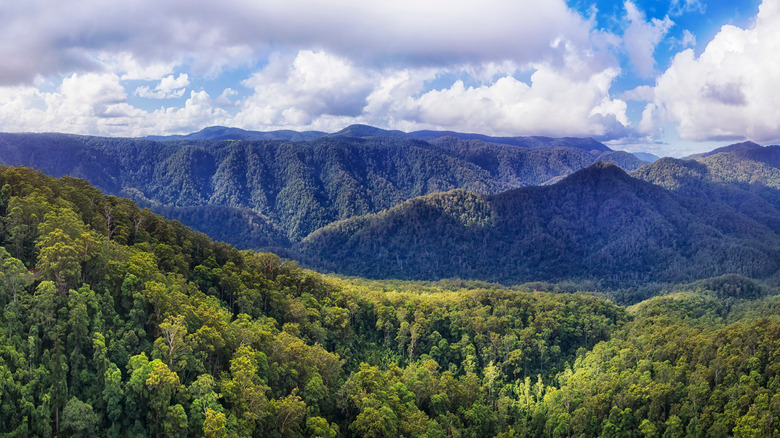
[(730, 91), (168, 88), (295, 92), (198, 111), (552, 104), (130, 68), (688, 40), (641, 37), (225, 99), (97, 104), (318, 90), (641, 93), (151, 36)]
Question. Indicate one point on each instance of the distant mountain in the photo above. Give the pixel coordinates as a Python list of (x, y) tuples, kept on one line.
[(744, 176), (598, 223), (224, 133), (646, 156), (365, 131), (587, 144), (737, 147), (291, 188)]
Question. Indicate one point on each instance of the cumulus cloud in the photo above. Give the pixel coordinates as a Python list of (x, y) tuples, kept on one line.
[(642, 93), (130, 68), (641, 37), (226, 98), (294, 92), (36, 40), (318, 90), (730, 90), (527, 67), (552, 104), (97, 104), (168, 87)]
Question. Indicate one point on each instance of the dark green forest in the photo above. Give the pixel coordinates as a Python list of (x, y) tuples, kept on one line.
[(643, 305), (277, 191), (598, 225), (117, 322)]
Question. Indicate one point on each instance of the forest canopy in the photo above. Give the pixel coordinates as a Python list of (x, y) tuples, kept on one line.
[(118, 322)]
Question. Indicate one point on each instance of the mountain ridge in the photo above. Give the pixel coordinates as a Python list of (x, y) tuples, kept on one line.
[(365, 131), (596, 224), (297, 186)]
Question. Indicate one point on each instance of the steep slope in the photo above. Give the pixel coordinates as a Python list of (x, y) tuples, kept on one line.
[(744, 176), (598, 223), (117, 322), (296, 187), (736, 147)]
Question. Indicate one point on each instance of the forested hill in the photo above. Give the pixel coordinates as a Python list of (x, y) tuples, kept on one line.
[(272, 192), (598, 223), (116, 322), (744, 176)]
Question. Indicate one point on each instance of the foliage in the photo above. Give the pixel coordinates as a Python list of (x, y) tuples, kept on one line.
[(157, 330), (119, 322), (598, 225), (267, 193)]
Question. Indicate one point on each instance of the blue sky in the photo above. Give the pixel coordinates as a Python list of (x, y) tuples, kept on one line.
[(670, 77)]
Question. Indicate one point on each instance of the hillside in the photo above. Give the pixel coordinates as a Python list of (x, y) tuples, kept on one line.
[(744, 176), (117, 322), (597, 224), (290, 188)]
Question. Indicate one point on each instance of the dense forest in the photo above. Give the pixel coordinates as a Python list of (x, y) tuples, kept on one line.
[(599, 224), (118, 322), (277, 191)]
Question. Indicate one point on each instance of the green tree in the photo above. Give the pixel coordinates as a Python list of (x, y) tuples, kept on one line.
[(163, 384), (14, 277), (287, 414), (59, 259), (113, 394), (318, 427), (214, 425), (245, 390), (79, 419)]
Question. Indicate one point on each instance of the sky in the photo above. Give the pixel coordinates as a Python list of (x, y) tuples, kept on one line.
[(670, 77)]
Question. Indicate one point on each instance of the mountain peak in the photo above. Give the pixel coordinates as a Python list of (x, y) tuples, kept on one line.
[(599, 171), (361, 131), (736, 147)]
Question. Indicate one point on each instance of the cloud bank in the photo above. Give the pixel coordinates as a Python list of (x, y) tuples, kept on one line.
[(497, 67), (729, 92), (217, 35)]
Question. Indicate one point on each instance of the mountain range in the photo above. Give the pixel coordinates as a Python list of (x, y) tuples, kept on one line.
[(134, 325), (383, 204), (597, 224), (365, 131), (273, 192)]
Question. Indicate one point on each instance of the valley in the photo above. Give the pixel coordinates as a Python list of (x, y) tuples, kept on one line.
[(515, 292)]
